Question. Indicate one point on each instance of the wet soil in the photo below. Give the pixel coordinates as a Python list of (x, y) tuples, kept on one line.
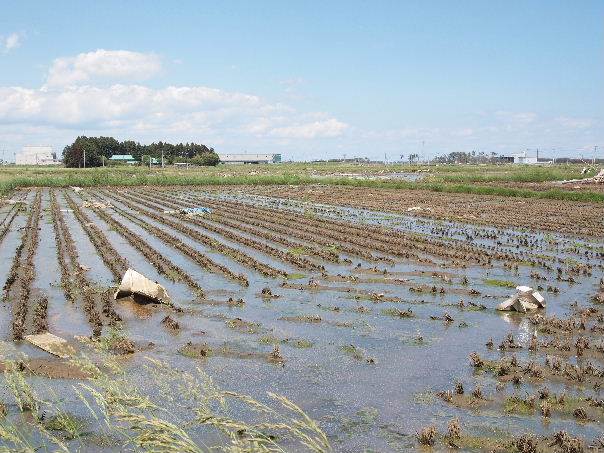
[(365, 318)]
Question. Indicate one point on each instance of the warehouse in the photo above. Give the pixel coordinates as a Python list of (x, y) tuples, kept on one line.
[(250, 158), (36, 155)]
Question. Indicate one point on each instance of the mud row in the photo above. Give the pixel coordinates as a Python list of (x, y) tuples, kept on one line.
[(197, 257), (160, 262), (18, 285), (97, 304), (300, 262)]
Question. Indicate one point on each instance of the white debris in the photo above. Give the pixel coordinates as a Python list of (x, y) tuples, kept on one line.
[(52, 344), (189, 211), (95, 204), (76, 189), (533, 296), (597, 179), (136, 284), (418, 208), (526, 299)]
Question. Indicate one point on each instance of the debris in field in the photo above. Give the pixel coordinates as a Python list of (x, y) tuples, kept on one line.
[(418, 208), (52, 344), (533, 296), (516, 303), (141, 288), (597, 179), (526, 299), (189, 211), (96, 204), (76, 189)]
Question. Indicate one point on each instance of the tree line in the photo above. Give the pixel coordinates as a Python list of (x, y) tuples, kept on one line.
[(97, 149), (461, 157)]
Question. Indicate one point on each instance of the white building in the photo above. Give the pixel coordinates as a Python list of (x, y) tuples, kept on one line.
[(250, 158), (36, 155), (522, 158)]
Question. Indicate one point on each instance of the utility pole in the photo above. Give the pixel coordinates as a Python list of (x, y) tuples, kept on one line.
[(84, 157), (162, 158)]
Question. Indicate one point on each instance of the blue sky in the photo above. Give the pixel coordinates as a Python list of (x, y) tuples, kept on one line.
[(307, 79)]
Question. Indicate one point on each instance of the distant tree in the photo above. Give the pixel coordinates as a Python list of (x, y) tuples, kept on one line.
[(96, 147), (73, 155), (462, 157), (206, 159)]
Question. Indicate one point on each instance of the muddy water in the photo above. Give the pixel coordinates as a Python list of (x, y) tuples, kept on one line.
[(374, 399), (64, 317), (8, 248)]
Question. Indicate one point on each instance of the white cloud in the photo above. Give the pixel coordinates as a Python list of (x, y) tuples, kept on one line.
[(74, 98), (575, 123), (323, 128), (516, 117), (178, 111), (101, 65), (10, 42)]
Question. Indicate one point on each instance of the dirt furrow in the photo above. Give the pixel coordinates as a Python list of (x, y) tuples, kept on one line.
[(176, 243), (95, 303), (391, 241), (163, 265), (245, 227), (288, 228), (17, 288), (117, 264), (237, 255), (260, 246)]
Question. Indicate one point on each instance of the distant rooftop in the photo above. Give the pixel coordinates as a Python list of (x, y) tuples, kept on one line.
[(122, 157)]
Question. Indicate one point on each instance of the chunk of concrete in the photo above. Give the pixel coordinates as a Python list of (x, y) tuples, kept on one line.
[(526, 299), (142, 289), (52, 344), (507, 305), (531, 295)]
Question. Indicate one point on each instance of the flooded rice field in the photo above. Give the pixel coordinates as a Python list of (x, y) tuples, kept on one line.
[(381, 326)]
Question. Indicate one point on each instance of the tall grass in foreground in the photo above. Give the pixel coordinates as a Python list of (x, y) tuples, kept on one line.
[(180, 411)]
